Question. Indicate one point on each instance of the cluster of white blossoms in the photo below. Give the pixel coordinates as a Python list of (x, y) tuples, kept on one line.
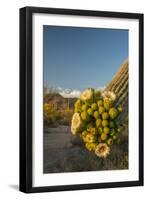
[(95, 120)]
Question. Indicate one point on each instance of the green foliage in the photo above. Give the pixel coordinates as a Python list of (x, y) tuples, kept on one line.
[(53, 116)]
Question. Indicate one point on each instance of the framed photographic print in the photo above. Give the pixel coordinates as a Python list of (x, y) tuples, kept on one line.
[(81, 99)]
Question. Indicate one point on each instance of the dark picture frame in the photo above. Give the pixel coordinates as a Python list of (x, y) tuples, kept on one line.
[(26, 73)]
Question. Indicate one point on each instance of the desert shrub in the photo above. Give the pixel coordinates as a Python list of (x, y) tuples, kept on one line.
[(50, 114), (65, 117), (53, 116)]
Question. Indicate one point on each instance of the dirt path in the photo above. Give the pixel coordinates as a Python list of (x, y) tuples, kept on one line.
[(57, 140)]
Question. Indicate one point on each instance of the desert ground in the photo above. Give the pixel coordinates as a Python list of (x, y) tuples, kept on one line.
[(65, 153)]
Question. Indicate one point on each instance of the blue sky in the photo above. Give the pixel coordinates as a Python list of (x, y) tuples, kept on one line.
[(78, 58)]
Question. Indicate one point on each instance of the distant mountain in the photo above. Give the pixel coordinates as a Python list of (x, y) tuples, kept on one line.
[(59, 101)]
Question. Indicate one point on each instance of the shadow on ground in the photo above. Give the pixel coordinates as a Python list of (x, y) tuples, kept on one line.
[(14, 187)]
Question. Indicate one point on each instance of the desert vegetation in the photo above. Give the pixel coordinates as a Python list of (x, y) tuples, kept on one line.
[(57, 109), (64, 151)]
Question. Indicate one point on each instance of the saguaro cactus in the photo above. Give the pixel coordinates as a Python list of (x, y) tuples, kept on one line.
[(119, 85)]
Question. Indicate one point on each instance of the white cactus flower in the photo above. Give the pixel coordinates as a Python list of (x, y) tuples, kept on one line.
[(75, 123), (102, 150), (87, 94)]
